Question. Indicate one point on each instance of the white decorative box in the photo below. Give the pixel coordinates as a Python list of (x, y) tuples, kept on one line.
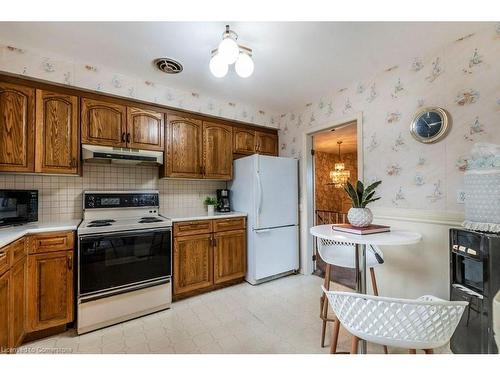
[(482, 189)]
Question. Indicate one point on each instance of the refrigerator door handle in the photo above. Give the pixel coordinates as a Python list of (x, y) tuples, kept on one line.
[(259, 201), (262, 230)]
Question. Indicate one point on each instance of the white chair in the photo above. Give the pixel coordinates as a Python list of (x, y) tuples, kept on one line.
[(343, 254), (424, 323)]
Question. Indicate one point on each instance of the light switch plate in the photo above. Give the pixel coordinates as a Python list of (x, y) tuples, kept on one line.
[(460, 196)]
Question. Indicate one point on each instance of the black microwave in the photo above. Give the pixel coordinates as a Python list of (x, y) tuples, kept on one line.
[(18, 206)]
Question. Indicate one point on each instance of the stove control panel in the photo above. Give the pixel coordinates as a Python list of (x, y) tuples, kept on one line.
[(120, 200)]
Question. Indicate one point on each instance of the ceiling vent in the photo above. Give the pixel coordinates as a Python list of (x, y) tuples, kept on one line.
[(169, 66)]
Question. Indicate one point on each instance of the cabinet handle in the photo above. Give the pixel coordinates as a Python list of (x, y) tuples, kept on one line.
[(70, 263), (128, 137), (73, 162), (123, 137), (215, 242)]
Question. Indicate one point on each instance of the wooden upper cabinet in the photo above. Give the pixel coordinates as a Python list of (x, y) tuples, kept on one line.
[(230, 256), (50, 290), (57, 135), (193, 263), (144, 129), (184, 147), (103, 123), (243, 141), (217, 151), (17, 128), (266, 143)]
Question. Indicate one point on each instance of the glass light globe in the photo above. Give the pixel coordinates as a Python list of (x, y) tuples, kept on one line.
[(217, 66), (244, 65), (228, 50)]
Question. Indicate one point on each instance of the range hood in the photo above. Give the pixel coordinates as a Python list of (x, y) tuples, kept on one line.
[(119, 155)]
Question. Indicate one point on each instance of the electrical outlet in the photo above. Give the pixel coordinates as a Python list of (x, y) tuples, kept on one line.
[(460, 196)]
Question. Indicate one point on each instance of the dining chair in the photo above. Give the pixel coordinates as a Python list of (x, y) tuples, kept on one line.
[(343, 254), (424, 323)]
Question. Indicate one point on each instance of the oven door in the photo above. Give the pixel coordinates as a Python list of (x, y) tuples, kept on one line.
[(122, 261)]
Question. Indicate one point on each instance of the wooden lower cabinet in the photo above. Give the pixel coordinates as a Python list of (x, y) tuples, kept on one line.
[(50, 290), (18, 276), (208, 260), (4, 311), (193, 259), (230, 255)]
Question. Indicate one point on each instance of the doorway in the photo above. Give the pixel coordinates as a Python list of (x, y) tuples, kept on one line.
[(334, 162)]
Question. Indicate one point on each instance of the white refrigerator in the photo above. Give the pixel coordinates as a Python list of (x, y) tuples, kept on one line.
[(266, 188)]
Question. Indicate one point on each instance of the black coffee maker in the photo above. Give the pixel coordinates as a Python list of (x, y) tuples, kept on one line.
[(223, 204)]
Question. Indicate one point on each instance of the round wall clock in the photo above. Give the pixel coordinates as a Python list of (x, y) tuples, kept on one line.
[(429, 125)]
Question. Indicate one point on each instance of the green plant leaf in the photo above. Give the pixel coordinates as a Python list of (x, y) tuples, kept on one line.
[(369, 201), (352, 194), (359, 189)]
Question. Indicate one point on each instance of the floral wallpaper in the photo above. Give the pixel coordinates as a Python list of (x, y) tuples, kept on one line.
[(328, 197), (463, 77), (37, 64)]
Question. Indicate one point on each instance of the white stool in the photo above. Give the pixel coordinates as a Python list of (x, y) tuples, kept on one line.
[(343, 255), (424, 323)]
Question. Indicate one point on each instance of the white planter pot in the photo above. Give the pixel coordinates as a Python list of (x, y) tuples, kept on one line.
[(360, 217), (210, 209)]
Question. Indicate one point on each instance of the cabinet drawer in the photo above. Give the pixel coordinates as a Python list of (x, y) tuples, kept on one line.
[(17, 250), (221, 225), (186, 228), (4, 259), (48, 242)]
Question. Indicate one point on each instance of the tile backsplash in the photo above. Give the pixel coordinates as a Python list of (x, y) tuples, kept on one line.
[(60, 197)]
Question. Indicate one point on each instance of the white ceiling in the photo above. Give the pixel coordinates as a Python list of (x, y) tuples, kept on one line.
[(295, 62)]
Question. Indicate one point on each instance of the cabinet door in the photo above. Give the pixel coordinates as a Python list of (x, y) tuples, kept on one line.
[(217, 151), (4, 311), (18, 302), (184, 147), (144, 129), (243, 141), (57, 136), (267, 143), (230, 256), (103, 123), (50, 290), (193, 263), (17, 128)]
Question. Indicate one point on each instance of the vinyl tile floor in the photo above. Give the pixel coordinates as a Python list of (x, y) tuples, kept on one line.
[(280, 316)]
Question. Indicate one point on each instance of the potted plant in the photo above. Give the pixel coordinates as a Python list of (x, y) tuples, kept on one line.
[(358, 215), (210, 202)]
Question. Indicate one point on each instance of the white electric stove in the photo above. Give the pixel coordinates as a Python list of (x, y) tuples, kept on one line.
[(124, 258)]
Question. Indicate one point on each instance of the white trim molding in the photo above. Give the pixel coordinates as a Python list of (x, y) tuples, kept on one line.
[(419, 216), (307, 182)]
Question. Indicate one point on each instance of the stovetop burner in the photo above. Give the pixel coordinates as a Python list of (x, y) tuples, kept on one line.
[(150, 220), (103, 221), (99, 224)]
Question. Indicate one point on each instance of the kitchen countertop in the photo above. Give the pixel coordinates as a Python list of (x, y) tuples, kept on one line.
[(188, 215), (10, 234)]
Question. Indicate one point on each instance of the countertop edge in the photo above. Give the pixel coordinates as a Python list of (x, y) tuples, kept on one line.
[(205, 217), (9, 235)]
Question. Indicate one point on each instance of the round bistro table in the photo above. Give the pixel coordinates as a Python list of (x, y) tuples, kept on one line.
[(394, 237)]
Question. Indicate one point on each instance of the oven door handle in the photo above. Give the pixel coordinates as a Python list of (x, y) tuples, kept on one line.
[(123, 233)]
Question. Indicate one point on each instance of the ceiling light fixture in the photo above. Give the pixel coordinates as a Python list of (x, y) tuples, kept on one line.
[(229, 52)]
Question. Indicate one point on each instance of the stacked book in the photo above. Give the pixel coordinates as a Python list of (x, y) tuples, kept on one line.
[(370, 229)]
